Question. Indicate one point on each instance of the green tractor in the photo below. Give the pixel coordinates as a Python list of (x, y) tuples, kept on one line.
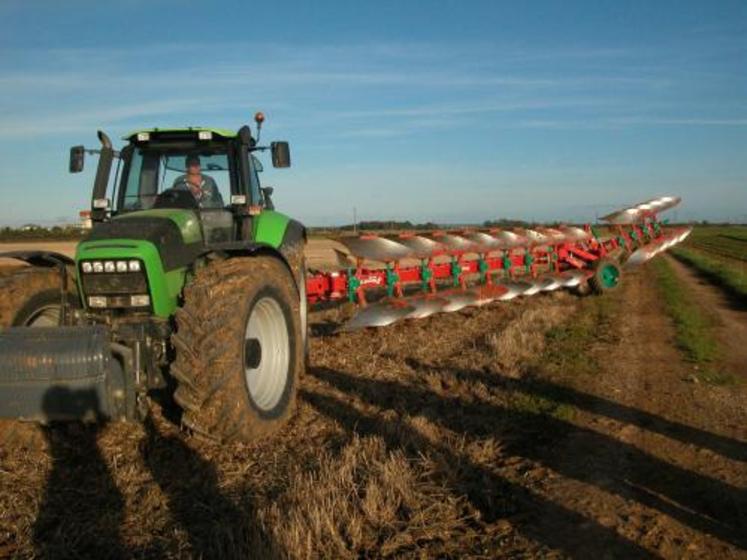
[(189, 281)]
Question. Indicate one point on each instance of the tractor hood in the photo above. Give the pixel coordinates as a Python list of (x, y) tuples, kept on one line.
[(175, 233), (185, 220)]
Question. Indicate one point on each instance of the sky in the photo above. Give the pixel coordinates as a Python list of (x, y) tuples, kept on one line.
[(445, 111)]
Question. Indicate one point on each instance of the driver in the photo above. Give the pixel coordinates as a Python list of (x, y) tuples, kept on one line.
[(202, 187)]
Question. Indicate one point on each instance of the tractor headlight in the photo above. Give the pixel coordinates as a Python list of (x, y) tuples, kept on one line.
[(130, 265), (140, 300), (97, 301), (115, 284)]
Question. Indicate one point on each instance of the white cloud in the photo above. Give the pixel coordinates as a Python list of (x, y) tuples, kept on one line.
[(629, 122)]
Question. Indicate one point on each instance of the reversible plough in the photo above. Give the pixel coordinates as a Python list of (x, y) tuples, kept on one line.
[(444, 271)]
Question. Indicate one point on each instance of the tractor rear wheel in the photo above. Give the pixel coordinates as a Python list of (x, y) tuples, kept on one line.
[(239, 349), (31, 298), (606, 276)]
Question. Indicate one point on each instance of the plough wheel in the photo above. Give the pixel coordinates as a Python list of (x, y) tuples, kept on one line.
[(607, 276)]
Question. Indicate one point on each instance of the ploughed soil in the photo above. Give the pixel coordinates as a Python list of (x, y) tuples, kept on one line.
[(506, 431)]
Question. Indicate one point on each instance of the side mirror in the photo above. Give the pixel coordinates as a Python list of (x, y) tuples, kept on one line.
[(280, 154), (77, 159)]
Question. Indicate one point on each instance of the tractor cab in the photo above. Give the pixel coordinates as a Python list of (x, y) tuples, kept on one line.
[(211, 172)]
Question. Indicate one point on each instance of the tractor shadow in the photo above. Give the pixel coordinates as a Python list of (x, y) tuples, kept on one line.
[(492, 495), (725, 446), (705, 504), (216, 526), (82, 509)]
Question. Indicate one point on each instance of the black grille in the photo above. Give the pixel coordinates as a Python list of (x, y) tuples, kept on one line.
[(99, 283)]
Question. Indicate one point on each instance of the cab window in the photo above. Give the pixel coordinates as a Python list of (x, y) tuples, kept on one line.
[(255, 166), (150, 173)]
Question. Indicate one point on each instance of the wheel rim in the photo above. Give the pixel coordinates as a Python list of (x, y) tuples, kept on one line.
[(610, 276), (266, 353), (48, 316)]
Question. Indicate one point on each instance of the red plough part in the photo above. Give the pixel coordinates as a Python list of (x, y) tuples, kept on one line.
[(451, 270)]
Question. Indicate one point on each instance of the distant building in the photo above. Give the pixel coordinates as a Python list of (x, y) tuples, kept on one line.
[(85, 220)]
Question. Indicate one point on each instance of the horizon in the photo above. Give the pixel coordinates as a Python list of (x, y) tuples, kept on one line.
[(421, 112)]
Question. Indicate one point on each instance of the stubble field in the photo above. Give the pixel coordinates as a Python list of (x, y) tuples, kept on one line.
[(555, 426)]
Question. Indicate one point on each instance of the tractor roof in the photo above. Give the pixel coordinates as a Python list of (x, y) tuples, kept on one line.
[(225, 133)]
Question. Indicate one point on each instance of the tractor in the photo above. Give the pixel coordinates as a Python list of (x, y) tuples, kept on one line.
[(202, 297)]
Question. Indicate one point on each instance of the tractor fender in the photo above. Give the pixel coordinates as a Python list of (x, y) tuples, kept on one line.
[(291, 254), (290, 251), (292, 248), (44, 259), (256, 249)]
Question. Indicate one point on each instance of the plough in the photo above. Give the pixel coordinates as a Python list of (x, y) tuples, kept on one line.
[(420, 274)]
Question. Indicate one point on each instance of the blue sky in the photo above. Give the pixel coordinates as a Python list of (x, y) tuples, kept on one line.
[(443, 110)]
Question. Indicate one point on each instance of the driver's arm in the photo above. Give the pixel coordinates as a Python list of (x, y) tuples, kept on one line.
[(215, 199), (180, 182)]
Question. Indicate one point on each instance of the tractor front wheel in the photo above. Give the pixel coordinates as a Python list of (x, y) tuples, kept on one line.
[(239, 349), (607, 275), (32, 298)]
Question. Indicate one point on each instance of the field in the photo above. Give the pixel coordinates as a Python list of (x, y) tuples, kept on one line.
[(723, 241), (720, 254), (556, 426)]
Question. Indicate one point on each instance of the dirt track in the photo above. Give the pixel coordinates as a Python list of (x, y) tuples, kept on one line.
[(437, 438), (656, 457)]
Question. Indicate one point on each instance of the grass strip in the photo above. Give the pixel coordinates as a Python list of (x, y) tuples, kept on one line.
[(730, 276), (693, 325), (568, 350), (567, 346)]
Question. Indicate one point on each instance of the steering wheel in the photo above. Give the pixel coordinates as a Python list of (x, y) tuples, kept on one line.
[(176, 198)]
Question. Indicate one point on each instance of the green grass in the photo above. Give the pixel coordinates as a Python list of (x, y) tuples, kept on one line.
[(541, 404), (568, 345), (692, 324), (724, 241), (722, 246), (568, 351), (730, 275)]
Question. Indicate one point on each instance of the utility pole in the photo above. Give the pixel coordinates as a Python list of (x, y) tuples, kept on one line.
[(355, 220)]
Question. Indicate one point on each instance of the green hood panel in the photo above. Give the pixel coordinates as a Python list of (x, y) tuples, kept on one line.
[(269, 228), (186, 221)]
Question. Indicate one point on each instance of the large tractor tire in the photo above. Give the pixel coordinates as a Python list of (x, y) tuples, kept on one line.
[(31, 298), (607, 275), (239, 349)]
